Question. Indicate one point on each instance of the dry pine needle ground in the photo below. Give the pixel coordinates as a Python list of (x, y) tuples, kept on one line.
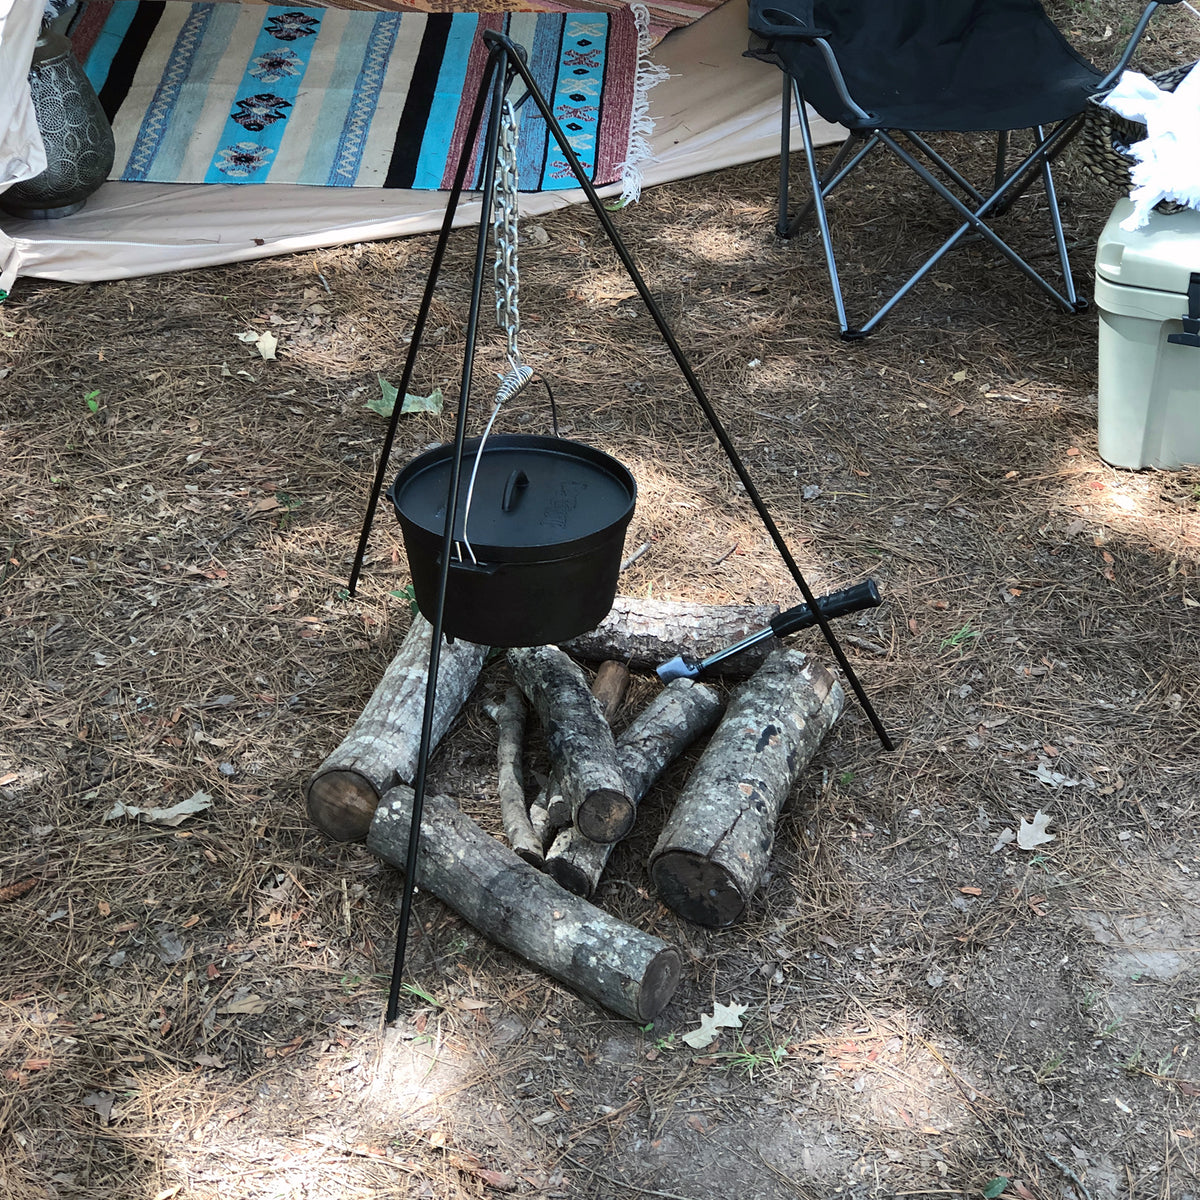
[(195, 1011)]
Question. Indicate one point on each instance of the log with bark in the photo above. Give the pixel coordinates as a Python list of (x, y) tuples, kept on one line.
[(510, 782), (382, 746), (549, 812), (647, 633), (715, 847), (518, 907), (673, 720), (609, 686), (579, 740)]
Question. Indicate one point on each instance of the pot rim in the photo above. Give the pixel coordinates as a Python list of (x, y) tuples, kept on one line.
[(430, 530)]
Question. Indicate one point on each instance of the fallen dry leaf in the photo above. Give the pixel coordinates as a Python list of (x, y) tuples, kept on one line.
[(244, 1006), (177, 813), (1032, 834), (723, 1016)]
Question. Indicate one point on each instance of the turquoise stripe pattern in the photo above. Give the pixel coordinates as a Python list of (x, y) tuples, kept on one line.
[(447, 97), (576, 101), (347, 157), (168, 160), (533, 132), (157, 121), (225, 93), (107, 43), (254, 129)]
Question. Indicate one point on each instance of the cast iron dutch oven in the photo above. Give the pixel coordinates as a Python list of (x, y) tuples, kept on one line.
[(544, 536)]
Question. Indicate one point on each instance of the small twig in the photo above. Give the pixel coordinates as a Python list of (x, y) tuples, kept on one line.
[(863, 644), (325, 283), (635, 556), (620, 1183), (717, 562), (1076, 1182)]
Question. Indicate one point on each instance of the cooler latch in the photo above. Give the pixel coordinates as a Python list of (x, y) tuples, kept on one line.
[(1191, 321)]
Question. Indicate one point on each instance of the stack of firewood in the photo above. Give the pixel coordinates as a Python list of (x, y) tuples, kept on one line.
[(534, 898)]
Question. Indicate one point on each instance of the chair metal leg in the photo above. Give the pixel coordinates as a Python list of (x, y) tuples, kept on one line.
[(946, 168), (1008, 185), (785, 155), (818, 204), (1001, 160), (1060, 240), (974, 220), (849, 154), (1033, 162)]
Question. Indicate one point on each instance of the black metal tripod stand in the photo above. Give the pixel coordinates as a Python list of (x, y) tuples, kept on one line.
[(504, 64)]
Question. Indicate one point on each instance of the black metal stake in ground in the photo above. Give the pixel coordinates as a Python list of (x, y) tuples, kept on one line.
[(504, 63)]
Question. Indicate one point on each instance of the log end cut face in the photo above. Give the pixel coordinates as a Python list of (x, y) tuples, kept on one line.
[(570, 876), (341, 804), (698, 889), (605, 815), (659, 983)]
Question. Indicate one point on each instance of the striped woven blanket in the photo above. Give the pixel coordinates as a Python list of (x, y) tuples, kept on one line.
[(231, 93), (665, 15)]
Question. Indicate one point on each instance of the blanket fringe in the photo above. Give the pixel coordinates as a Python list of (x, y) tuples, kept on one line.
[(649, 74)]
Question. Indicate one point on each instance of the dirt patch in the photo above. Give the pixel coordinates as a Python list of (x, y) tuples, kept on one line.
[(195, 1011)]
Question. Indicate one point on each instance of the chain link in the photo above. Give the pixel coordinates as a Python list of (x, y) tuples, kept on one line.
[(505, 209)]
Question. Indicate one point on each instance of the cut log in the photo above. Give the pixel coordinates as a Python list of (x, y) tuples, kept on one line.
[(647, 633), (518, 907), (382, 746), (510, 781), (673, 720), (715, 847), (609, 686), (579, 740), (549, 811)]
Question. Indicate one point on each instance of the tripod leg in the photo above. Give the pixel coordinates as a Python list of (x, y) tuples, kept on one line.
[(494, 79), (714, 421)]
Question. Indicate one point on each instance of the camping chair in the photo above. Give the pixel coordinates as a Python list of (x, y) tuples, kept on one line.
[(890, 71)]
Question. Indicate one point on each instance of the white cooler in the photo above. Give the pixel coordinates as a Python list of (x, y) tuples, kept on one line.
[(1148, 294)]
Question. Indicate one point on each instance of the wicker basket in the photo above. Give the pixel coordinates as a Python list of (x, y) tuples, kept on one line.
[(1104, 141)]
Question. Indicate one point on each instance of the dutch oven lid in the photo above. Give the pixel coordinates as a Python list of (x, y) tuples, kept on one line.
[(534, 497)]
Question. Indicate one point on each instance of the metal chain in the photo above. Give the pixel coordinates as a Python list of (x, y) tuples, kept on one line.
[(505, 211)]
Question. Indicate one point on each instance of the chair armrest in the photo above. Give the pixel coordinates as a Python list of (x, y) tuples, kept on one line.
[(1134, 38), (795, 22)]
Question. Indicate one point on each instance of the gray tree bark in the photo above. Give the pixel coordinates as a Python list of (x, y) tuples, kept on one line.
[(647, 633), (549, 812), (579, 740), (715, 847), (518, 907), (382, 746), (510, 780), (671, 722)]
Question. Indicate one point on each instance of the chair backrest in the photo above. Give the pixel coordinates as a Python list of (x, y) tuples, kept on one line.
[(890, 51)]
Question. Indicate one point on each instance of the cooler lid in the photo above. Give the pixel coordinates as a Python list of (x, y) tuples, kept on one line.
[(1162, 255)]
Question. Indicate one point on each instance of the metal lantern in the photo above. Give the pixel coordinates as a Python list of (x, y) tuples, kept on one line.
[(76, 132)]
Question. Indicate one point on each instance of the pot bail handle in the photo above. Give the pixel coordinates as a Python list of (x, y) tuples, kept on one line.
[(514, 489)]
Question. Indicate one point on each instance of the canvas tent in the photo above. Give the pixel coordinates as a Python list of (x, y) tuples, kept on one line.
[(715, 109)]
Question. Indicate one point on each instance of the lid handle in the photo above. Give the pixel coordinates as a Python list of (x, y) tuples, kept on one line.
[(1191, 319), (514, 487)]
